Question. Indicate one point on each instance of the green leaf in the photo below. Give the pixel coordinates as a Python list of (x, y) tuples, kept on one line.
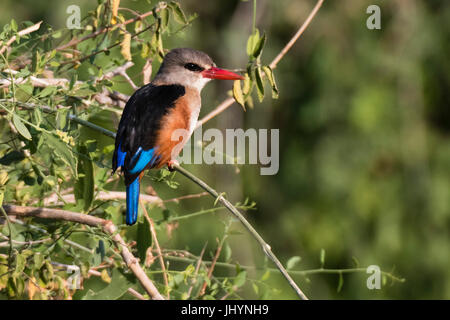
[(265, 276), (239, 281), (255, 288), (73, 80), (38, 260), (13, 25), (292, 262), (248, 84), (179, 15), (237, 93), (251, 43), (259, 46), (84, 186), (259, 84), (50, 90), (24, 92), (113, 291), (227, 252), (61, 118), (144, 239), (63, 151), (20, 265), (322, 257), (269, 74), (21, 128), (165, 15), (341, 282)]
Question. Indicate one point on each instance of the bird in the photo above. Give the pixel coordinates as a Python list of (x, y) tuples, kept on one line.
[(156, 112)]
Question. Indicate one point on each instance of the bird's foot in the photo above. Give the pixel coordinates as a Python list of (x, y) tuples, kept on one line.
[(171, 164)]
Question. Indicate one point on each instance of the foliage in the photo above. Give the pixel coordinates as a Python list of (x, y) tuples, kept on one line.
[(49, 160)]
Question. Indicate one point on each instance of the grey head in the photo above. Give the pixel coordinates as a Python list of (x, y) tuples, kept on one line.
[(185, 66)]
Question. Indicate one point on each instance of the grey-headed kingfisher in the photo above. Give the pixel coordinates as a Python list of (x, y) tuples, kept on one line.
[(155, 111)]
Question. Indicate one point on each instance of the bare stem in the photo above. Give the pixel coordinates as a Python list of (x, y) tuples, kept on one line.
[(106, 225), (76, 41), (229, 101), (266, 248), (21, 33), (158, 248)]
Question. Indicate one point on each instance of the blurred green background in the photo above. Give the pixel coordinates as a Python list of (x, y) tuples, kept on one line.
[(364, 119)]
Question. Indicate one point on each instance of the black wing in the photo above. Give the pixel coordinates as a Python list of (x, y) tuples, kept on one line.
[(140, 122)]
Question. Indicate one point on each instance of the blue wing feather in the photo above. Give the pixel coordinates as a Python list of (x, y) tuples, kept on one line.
[(141, 159), (138, 163), (120, 156)]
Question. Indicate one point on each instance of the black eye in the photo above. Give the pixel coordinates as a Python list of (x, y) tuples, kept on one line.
[(193, 67)]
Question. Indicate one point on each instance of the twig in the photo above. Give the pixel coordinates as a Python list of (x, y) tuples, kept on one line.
[(21, 33), (229, 101), (292, 272), (102, 195), (92, 126), (35, 81), (213, 264), (219, 109), (158, 248), (197, 269), (76, 41), (136, 294), (81, 59), (297, 35), (189, 196), (106, 225), (25, 243), (266, 248), (121, 71)]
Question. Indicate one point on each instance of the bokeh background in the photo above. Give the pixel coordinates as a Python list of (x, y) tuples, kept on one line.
[(364, 119)]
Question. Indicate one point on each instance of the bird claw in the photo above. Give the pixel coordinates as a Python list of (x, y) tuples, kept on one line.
[(171, 164)]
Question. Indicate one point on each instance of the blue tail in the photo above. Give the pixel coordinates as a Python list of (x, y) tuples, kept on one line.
[(132, 202)]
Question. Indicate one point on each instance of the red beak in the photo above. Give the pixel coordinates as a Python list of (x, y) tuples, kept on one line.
[(216, 73)]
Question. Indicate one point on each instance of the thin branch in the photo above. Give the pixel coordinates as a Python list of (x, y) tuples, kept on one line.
[(297, 35), (81, 59), (197, 269), (92, 126), (121, 71), (188, 196), (229, 101), (292, 272), (75, 41), (20, 34), (102, 195), (23, 243), (266, 248), (106, 225), (136, 294), (213, 264), (219, 109), (158, 248)]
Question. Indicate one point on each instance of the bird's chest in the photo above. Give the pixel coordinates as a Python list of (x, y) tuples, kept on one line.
[(177, 125)]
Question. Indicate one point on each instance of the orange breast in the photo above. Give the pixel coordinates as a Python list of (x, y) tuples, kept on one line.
[(175, 127)]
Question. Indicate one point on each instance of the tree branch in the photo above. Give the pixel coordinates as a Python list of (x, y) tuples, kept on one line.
[(106, 225), (266, 248), (230, 101), (76, 41), (21, 33)]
